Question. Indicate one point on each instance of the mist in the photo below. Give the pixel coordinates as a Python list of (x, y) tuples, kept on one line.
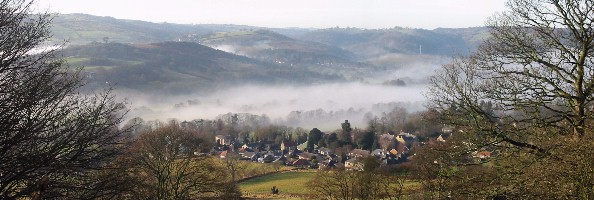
[(323, 106)]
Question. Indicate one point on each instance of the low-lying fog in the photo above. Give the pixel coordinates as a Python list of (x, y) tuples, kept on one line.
[(322, 106)]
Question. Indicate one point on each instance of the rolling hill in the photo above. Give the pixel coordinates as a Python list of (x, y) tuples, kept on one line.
[(269, 46), (374, 43), (175, 58), (80, 29), (179, 67)]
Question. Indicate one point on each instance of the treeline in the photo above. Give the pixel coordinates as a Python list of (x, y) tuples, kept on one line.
[(245, 128)]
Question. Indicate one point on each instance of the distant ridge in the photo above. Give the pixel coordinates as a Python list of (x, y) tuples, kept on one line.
[(180, 58), (83, 29)]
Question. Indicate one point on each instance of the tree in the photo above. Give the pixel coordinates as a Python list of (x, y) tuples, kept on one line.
[(332, 141), (341, 184), (233, 164), (313, 138), (168, 168), (367, 140), (53, 140), (345, 137), (527, 93)]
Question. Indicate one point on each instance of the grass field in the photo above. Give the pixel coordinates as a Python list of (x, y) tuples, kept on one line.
[(292, 185)]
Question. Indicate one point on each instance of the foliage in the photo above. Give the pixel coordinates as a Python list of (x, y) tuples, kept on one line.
[(54, 142), (313, 137), (526, 96), (367, 140), (165, 166), (233, 164), (341, 184)]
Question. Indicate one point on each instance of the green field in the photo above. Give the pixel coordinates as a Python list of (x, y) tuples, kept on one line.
[(293, 185), (290, 184)]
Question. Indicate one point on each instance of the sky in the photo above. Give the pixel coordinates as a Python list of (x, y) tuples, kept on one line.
[(372, 14)]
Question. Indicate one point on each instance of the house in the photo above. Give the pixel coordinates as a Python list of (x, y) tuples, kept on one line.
[(400, 139), (327, 164), (303, 147), (267, 158), (222, 140), (353, 164), (282, 160), (253, 156), (288, 146), (393, 152), (449, 129), (260, 146), (441, 138), (358, 153), (380, 153), (243, 150), (393, 159), (295, 153), (406, 138), (270, 146), (325, 151), (223, 154), (246, 146), (307, 156), (483, 154), (301, 163)]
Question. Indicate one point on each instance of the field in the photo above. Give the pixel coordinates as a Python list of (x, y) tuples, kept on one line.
[(292, 185)]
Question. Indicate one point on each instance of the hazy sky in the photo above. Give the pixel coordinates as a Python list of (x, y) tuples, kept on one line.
[(427, 14)]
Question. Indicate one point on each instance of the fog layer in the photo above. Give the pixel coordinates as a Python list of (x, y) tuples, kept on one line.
[(323, 106)]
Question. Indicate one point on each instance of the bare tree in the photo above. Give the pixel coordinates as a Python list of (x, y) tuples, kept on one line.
[(536, 70), (52, 139), (527, 94), (165, 159), (345, 185), (233, 164)]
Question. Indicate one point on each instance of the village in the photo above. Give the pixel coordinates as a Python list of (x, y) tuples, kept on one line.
[(395, 149)]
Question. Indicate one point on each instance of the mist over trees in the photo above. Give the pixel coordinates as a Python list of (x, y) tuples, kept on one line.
[(526, 94)]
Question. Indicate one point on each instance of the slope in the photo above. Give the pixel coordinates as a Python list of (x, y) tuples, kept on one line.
[(269, 46), (179, 67), (374, 43), (80, 29)]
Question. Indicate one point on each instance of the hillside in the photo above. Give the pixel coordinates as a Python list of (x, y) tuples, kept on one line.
[(179, 67), (370, 44), (80, 29), (113, 48), (338, 42), (260, 43), (272, 47)]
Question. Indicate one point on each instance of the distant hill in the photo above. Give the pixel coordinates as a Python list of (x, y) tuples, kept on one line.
[(179, 67), (83, 29), (473, 37), (169, 57), (339, 42), (269, 46), (373, 43), (261, 43)]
